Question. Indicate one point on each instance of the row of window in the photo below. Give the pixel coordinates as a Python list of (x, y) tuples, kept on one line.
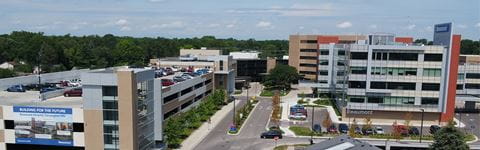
[(393, 100), (308, 65), (394, 71), (185, 105), (308, 50), (394, 85), (185, 91)]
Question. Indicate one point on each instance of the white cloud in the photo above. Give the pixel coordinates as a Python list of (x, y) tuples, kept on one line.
[(155, 1), (478, 25), (230, 25), (264, 24), (301, 27), (373, 26), (213, 25), (121, 22), (125, 28), (345, 24), (325, 9), (462, 26), (174, 24), (411, 27)]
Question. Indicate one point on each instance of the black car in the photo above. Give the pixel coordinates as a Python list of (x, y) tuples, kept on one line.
[(343, 128), (178, 79), (271, 134), (317, 128), (368, 131), (434, 129), (413, 131)]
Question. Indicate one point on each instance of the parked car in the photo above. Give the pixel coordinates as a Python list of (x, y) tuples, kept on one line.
[(368, 131), (401, 129), (332, 129), (271, 134), (178, 79), (16, 88), (202, 71), (434, 129), (73, 92), (413, 131), (167, 82), (379, 130), (186, 76), (192, 74), (47, 89), (298, 116), (343, 128), (298, 111), (358, 131), (317, 128)]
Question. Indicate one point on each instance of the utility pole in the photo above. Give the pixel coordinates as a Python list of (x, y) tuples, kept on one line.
[(421, 126), (313, 119)]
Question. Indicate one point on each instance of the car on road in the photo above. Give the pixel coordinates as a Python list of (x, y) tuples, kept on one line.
[(73, 92), (332, 129), (343, 128), (271, 134), (434, 129), (317, 128), (379, 130), (413, 131), (16, 88), (368, 131)]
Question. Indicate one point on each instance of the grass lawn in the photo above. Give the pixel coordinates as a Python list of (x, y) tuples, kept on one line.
[(285, 147), (237, 92), (303, 131), (271, 92)]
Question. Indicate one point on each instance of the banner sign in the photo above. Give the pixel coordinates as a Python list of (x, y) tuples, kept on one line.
[(43, 126)]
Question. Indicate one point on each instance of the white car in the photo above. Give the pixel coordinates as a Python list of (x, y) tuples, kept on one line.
[(298, 116), (379, 130)]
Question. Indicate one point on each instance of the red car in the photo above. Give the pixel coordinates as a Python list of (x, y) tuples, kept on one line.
[(73, 92), (167, 82), (401, 129)]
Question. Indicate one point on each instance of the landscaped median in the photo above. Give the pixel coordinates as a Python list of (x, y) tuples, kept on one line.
[(270, 93), (179, 127), (242, 115)]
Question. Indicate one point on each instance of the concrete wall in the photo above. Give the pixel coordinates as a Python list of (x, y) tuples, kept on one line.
[(48, 77)]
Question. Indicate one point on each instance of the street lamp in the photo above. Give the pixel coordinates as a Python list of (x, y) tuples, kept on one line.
[(313, 119), (421, 125)]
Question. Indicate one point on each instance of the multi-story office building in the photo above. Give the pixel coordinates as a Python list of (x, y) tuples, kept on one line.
[(224, 67), (469, 75), (380, 75)]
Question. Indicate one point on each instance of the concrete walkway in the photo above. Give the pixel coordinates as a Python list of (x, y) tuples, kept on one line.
[(198, 135)]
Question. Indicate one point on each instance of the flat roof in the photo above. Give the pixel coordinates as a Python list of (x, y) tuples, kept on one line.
[(31, 98)]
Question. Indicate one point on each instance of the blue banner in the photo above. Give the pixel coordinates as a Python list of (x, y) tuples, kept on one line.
[(43, 142), (48, 110)]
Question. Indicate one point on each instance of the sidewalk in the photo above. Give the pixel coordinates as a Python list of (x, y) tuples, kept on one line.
[(198, 135)]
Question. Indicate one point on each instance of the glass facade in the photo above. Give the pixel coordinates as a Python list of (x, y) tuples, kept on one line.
[(110, 117), (145, 124)]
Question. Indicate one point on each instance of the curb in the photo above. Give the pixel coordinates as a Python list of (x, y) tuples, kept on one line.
[(248, 117)]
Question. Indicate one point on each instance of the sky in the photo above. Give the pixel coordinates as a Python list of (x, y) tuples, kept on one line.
[(240, 19)]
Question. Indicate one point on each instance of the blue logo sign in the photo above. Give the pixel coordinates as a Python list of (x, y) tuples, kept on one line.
[(43, 142), (26, 109), (442, 28)]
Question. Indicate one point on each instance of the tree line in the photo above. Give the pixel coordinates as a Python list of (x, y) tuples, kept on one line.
[(58, 53), (467, 46)]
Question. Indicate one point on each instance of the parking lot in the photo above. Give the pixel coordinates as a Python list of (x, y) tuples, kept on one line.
[(31, 98)]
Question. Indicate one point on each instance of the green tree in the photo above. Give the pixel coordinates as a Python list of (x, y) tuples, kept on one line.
[(6, 73), (281, 77), (127, 53), (449, 138)]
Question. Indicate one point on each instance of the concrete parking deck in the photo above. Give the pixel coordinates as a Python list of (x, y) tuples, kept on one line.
[(31, 98)]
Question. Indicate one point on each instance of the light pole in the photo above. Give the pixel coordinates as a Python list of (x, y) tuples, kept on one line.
[(313, 119), (421, 126)]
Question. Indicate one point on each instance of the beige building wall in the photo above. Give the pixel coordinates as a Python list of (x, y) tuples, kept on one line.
[(271, 63), (127, 112), (200, 52), (294, 51), (93, 128)]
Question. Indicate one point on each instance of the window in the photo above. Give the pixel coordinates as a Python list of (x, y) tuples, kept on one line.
[(186, 104), (208, 81), (198, 97), (186, 91), (358, 70), (308, 41), (461, 76), (308, 65), (322, 81), (308, 72), (403, 56), (393, 100), (340, 63), (375, 100), (430, 86), (429, 101), (357, 84), (78, 127), (432, 72), (324, 52), (459, 86), (472, 86), (170, 113), (221, 65), (341, 53), (9, 124), (110, 115), (323, 72), (473, 76), (359, 55), (340, 73), (308, 57), (199, 85), (379, 56), (110, 105), (109, 91), (432, 57), (170, 98), (308, 50), (357, 99), (393, 85), (324, 62)]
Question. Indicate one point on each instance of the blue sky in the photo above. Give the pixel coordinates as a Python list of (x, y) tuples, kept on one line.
[(242, 19)]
